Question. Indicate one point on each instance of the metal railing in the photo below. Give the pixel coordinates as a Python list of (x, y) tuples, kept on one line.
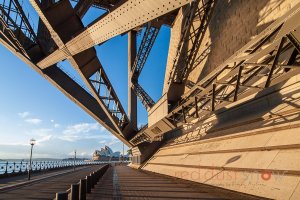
[(23, 166)]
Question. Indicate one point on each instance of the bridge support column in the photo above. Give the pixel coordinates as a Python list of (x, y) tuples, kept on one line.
[(143, 152), (132, 98)]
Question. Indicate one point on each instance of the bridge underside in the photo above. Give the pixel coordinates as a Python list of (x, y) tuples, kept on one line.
[(229, 111)]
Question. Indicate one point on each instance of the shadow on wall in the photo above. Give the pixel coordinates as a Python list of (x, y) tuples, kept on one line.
[(253, 115), (233, 24)]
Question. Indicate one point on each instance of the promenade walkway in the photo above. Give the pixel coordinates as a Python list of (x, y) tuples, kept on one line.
[(122, 182), (45, 188), (18, 179)]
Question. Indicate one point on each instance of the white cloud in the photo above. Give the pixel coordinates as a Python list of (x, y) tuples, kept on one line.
[(83, 131), (23, 114), (52, 120), (113, 142), (56, 125), (81, 128), (83, 154), (43, 139), (72, 153), (69, 138), (40, 131), (14, 144), (34, 121)]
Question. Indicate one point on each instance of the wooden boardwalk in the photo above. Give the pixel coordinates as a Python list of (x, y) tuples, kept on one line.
[(46, 189), (122, 182)]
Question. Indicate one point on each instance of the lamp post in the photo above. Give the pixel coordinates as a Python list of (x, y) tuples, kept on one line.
[(32, 142), (74, 166), (123, 158)]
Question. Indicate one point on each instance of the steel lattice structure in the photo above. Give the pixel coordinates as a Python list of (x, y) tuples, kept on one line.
[(15, 26), (146, 45), (139, 63), (199, 10), (97, 96), (143, 96), (270, 58), (107, 100), (259, 64)]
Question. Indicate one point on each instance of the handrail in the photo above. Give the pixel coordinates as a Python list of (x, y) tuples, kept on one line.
[(7, 168)]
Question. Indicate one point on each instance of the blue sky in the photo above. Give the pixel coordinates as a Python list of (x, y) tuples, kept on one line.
[(30, 107)]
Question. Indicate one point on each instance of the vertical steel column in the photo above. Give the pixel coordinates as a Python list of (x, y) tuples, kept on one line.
[(132, 98)]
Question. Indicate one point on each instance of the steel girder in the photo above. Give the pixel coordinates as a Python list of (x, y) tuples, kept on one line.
[(87, 65), (127, 16), (270, 58), (15, 27), (193, 33), (10, 38), (144, 50), (139, 63), (143, 96)]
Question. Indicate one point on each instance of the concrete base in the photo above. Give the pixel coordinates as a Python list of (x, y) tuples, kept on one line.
[(251, 147)]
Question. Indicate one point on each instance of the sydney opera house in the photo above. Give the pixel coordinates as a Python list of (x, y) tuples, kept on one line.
[(107, 154)]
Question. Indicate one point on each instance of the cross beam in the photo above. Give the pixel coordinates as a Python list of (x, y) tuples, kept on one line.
[(126, 17), (85, 63)]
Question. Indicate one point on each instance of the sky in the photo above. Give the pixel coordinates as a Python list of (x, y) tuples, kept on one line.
[(30, 107)]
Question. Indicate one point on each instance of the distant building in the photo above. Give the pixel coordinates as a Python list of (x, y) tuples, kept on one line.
[(107, 154)]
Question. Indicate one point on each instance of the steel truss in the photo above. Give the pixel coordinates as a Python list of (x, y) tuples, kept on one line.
[(144, 50), (143, 96), (105, 92), (139, 63), (17, 35), (97, 82), (16, 31), (195, 34), (141, 136), (260, 64), (15, 27), (271, 58), (129, 15)]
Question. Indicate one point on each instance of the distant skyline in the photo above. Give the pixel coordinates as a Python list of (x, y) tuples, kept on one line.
[(30, 107)]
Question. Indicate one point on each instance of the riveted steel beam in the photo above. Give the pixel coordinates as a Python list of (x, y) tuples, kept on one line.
[(127, 16), (85, 63)]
